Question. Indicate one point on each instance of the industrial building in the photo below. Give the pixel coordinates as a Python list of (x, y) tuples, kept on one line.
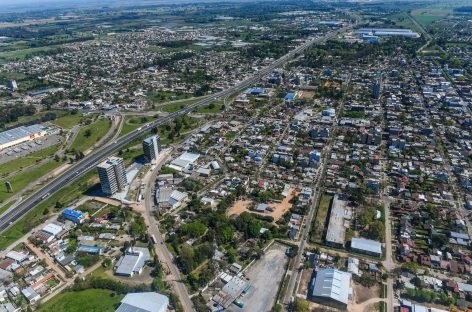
[(366, 246), (73, 215), (184, 162), (408, 33), (331, 287), (144, 302), (132, 262), (112, 173), (20, 135), (152, 147), (339, 220), (230, 292)]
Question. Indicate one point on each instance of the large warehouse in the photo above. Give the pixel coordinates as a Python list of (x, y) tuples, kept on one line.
[(20, 135)]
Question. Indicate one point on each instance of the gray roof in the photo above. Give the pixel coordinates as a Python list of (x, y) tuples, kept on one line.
[(465, 287), (19, 133), (144, 302), (133, 261), (366, 245), (331, 283)]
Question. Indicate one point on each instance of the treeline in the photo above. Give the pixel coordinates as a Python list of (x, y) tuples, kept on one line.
[(103, 283), (11, 113)]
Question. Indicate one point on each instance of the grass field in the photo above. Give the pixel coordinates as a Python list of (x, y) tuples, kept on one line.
[(27, 160), (211, 109), (401, 20), (20, 181), (90, 300), (24, 54), (68, 121), (429, 15), (170, 108), (316, 234), (133, 123), (98, 130)]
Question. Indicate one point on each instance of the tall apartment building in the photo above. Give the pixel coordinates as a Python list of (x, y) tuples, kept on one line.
[(152, 147), (376, 90), (112, 175)]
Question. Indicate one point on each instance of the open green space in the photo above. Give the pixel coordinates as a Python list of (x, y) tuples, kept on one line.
[(166, 96), (90, 300), (133, 123), (40, 213), (212, 108), (68, 121), (20, 181), (173, 107), (429, 15), (90, 134), (27, 160), (319, 222), (401, 20), (25, 53)]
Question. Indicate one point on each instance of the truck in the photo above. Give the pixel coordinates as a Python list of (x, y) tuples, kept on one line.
[(239, 303)]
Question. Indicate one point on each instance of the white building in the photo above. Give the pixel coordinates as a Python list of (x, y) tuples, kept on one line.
[(112, 173), (144, 302), (20, 135)]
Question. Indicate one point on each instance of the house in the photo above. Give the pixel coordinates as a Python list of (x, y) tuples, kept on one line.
[(144, 302), (30, 294)]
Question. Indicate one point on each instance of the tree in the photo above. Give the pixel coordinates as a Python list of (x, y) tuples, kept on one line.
[(300, 305), (88, 133)]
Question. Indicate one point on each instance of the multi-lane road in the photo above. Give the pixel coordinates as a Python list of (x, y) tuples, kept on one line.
[(93, 159)]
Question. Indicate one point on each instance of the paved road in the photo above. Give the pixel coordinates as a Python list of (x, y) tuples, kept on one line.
[(93, 159), (295, 272), (160, 247)]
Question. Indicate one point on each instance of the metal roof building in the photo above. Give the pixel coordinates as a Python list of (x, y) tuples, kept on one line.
[(366, 246), (132, 262), (331, 287), (20, 135), (144, 302)]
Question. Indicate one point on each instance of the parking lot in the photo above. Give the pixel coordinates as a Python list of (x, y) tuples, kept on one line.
[(29, 147), (265, 276)]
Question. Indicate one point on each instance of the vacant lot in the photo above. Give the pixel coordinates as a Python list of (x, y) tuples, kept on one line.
[(90, 300), (279, 209), (264, 276), (90, 134), (428, 16), (21, 180), (68, 121), (317, 230)]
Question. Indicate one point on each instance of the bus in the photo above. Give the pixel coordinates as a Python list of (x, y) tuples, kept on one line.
[(154, 240)]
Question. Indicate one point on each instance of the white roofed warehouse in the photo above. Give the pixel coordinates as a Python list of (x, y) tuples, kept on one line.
[(144, 302), (331, 287), (20, 135)]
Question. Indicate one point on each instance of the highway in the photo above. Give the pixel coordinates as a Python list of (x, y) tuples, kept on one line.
[(92, 160)]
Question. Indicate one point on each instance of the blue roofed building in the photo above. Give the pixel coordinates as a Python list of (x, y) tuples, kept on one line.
[(290, 98), (73, 215), (331, 287)]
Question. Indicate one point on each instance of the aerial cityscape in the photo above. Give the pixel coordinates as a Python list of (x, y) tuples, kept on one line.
[(235, 155)]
